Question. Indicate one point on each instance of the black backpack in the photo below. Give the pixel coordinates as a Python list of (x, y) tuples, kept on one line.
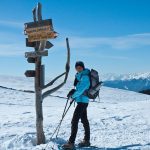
[(95, 84)]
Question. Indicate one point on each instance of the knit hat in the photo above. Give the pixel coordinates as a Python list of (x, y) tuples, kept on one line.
[(80, 63)]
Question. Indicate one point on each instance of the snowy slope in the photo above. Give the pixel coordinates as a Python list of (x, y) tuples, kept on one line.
[(111, 76), (134, 82), (120, 121)]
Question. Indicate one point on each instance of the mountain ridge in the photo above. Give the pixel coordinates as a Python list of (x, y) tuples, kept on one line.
[(137, 82)]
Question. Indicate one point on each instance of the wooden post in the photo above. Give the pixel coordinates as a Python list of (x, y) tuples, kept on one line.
[(38, 90), (38, 104)]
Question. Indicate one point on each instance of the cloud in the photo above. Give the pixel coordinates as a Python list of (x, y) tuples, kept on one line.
[(112, 57), (15, 24), (12, 49), (119, 43), (85, 44), (96, 55), (122, 42)]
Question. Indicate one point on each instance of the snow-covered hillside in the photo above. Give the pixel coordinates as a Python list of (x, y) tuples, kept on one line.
[(134, 82), (120, 121), (112, 76)]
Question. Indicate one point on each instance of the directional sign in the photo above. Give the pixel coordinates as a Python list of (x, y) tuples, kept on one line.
[(37, 43), (34, 25), (30, 73), (42, 36), (31, 60), (32, 44), (42, 30), (36, 54), (48, 45)]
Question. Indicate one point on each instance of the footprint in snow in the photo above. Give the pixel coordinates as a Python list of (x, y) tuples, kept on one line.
[(26, 113), (117, 118)]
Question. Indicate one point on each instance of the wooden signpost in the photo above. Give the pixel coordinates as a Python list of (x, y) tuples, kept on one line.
[(38, 32)]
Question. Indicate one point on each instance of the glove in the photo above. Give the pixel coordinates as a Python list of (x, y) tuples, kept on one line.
[(71, 92)]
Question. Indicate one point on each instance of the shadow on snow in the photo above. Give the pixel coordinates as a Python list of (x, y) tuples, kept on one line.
[(60, 141)]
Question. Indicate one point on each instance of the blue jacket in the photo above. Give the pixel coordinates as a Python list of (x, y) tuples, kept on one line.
[(82, 85)]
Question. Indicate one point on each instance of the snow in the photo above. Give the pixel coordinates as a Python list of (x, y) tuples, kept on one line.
[(119, 121), (111, 76), (133, 82)]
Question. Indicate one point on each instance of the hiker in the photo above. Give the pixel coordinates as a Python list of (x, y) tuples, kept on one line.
[(82, 83)]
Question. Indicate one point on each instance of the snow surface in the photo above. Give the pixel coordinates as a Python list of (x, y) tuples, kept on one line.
[(119, 121)]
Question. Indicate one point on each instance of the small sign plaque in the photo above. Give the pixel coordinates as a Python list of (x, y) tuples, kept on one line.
[(38, 31), (36, 54)]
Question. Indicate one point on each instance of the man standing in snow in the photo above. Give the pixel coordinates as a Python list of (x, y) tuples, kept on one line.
[(82, 83)]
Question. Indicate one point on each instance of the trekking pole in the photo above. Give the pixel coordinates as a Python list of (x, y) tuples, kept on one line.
[(58, 124), (63, 118), (58, 127)]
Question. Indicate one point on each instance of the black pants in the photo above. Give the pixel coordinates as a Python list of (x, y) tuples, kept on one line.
[(80, 113)]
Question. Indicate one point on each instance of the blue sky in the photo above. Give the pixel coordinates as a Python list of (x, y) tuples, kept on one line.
[(112, 36)]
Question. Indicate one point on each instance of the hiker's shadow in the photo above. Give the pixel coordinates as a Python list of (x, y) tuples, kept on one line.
[(58, 141), (61, 141)]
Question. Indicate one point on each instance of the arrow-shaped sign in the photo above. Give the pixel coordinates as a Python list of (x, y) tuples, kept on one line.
[(36, 54), (37, 43), (48, 45), (31, 60), (30, 73)]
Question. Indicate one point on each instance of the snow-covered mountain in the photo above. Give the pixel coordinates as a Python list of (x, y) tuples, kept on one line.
[(120, 121), (134, 82)]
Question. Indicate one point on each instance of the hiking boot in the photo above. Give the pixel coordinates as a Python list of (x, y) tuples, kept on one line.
[(84, 143), (68, 146)]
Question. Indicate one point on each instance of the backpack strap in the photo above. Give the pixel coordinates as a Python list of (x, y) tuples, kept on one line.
[(75, 82)]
